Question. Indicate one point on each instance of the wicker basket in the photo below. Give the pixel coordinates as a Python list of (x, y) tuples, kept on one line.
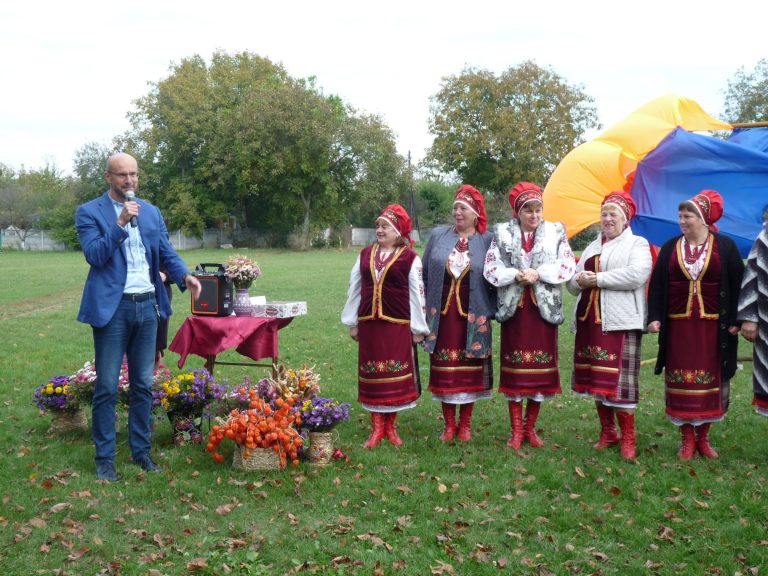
[(320, 448), (64, 421), (258, 459)]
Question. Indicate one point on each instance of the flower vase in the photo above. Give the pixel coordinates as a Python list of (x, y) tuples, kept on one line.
[(65, 421), (242, 305), (186, 428), (320, 448)]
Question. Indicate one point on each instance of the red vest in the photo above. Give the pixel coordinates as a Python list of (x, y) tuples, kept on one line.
[(389, 298)]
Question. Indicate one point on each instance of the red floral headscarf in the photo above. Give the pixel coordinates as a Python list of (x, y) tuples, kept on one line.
[(472, 198)]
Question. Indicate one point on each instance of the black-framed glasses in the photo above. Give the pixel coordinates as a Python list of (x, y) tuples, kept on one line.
[(124, 175)]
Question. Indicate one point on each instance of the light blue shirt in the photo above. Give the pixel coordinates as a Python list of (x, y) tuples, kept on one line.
[(138, 280)]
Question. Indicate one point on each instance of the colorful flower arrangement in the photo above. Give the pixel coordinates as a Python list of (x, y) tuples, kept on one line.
[(242, 270), (188, 393), (83, 382), (278, 413), (260, 426), (323, 414), (56, 396), (237, 397), (289, 383)]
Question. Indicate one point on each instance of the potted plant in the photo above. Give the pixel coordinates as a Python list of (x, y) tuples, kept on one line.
[(56, 398), (319, 416), (264, 437), (185, 398), (242, 270)]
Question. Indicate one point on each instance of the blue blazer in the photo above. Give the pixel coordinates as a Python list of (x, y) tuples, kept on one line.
[(102, 241)]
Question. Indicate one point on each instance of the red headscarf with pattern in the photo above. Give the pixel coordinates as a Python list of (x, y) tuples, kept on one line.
[(521, 194), (709, 205), (472, 198), (624, 201), (398, 218)]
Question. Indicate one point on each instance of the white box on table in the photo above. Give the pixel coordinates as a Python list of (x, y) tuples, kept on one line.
[(279, 309)]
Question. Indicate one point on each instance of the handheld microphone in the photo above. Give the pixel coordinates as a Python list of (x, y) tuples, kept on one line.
[(130, 195)]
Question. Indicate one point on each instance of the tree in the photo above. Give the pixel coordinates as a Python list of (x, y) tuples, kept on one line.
[(90, 162), (367, 169), (746, 98), (435, 201), (29, 198), (494, 131), (242, 138)]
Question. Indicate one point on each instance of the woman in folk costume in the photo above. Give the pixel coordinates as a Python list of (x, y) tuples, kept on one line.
[(608, 317), (528, 262), (385, 315), (753, 315), (693, 299), (460, 304)]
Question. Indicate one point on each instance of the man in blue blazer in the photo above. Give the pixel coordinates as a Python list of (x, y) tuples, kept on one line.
[(125, 241)]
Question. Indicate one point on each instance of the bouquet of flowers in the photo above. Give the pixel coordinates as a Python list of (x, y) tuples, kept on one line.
[(186, 394), (242, 270), (56, 396), (322, 414), (260, 426), (83, 382), (237, 397), (288, 383)]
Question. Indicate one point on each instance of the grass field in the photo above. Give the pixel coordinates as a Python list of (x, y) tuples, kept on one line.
[(425, 508)]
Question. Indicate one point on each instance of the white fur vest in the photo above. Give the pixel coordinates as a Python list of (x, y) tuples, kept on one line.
[(546, 244)]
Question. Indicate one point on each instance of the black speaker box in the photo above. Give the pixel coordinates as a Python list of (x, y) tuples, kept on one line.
[(216, 297)]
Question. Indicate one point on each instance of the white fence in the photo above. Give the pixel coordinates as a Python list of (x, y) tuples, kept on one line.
[(40, 240)]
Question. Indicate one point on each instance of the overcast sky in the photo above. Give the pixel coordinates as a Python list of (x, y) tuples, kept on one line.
[(71, 70)]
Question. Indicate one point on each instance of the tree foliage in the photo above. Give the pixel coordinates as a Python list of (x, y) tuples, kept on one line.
[(90, 163), (746, 96), (493, 131), (32, 200), (241, 138)]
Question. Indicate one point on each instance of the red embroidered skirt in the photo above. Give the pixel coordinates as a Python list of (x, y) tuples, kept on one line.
[(528, 353), (596, 360), (693, 387), (385, 364), (450, 371)]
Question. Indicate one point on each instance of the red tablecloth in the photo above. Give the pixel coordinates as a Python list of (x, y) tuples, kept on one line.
[(207, 336)]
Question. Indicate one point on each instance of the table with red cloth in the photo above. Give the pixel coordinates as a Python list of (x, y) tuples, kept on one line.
[(208, 336)]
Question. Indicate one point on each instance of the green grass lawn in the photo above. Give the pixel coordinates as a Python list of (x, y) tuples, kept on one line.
[(425, 508)]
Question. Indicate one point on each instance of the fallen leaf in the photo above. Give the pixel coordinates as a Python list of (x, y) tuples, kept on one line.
[(197, 564), (442, 568), (701, 504), (77, 554), (60, 507), (37, 523)]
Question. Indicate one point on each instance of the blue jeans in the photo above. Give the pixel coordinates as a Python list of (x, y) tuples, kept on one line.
[(132, 332)]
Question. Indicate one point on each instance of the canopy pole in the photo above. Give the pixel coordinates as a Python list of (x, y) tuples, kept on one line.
[(750, 125)]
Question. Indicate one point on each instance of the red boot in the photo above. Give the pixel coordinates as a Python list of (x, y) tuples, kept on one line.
[(377, 419), (702, 442), (449, 415), (531, 414), (627, 425), (608, 435), (688, 447), (465, 422), (389, 429), (516, 424)]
